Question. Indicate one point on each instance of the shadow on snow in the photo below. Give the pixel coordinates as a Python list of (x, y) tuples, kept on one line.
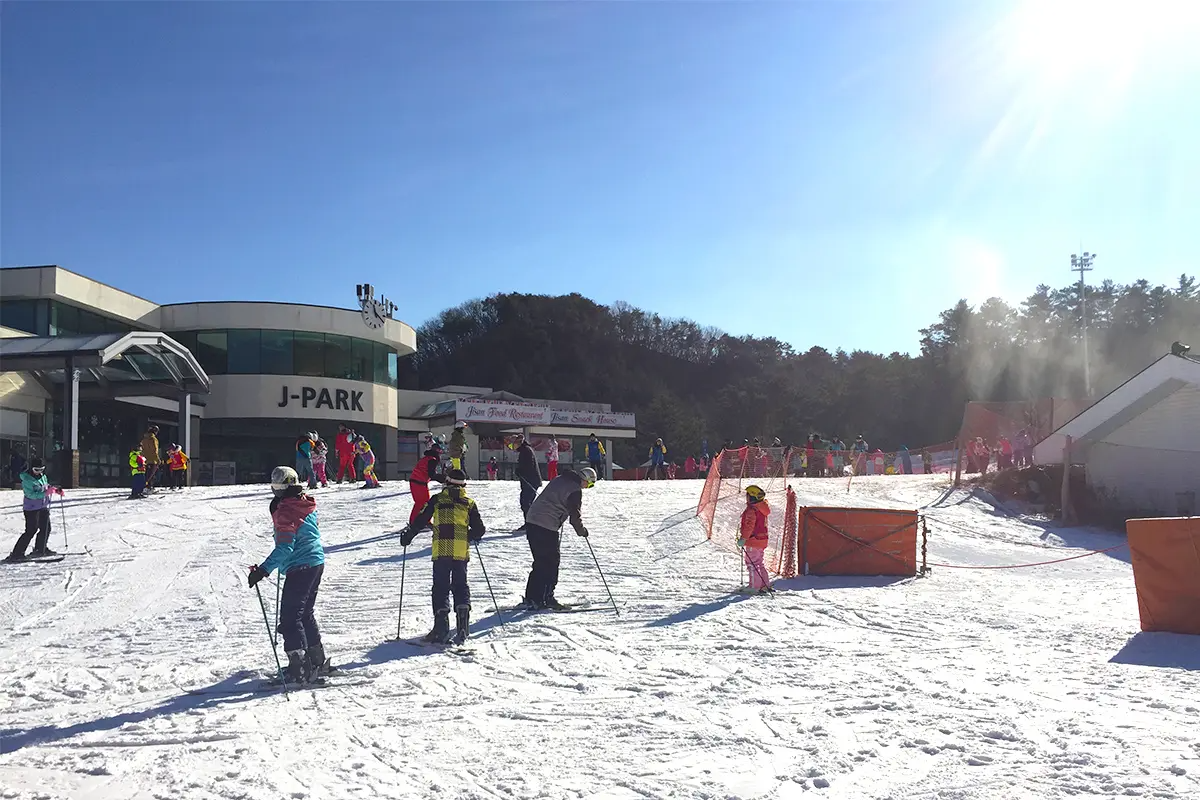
[(1173, 650)]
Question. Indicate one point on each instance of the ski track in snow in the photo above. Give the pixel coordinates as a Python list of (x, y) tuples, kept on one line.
[(963, 684)]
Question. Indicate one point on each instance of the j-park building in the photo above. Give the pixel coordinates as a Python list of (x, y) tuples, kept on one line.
[(85, 368)]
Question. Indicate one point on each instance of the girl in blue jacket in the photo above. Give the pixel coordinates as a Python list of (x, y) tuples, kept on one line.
[(299, 555), (36, 504)]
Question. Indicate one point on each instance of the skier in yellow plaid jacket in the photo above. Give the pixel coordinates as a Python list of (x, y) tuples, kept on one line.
[(456, 524)]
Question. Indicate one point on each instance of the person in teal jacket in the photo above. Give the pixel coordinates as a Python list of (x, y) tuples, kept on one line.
[(36, 504), (300, 556)]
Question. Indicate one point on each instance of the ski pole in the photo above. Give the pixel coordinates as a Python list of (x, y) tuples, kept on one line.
[(495, 605), (275, 630), (63, 510), (400, 613), (602, 578), (266, 621)]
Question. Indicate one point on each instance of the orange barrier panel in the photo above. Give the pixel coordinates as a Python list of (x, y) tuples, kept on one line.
[(858, 541), (1166, 572)]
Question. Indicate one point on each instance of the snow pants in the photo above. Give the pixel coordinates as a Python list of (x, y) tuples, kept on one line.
[(756, 567), (304, 470), (528, 495), (543, 578), (37, 523), (346, 465), (551, 470), (597, 465), (177, 478), (151, 473), (296, 620), (420, 496), (139, 485), (450, 575), (319, 470)]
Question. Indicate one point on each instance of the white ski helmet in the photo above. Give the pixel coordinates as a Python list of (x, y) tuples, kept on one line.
[(283, 478), (460, 425), (589, 477)]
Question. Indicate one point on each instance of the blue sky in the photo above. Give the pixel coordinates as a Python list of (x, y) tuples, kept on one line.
[(764, 168)]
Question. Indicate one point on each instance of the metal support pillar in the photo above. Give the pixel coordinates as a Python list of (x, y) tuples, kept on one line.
[(185, 430), (68, 466), (608, 463)]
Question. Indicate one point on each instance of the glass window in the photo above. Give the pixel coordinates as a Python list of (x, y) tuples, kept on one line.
[(380, 363), (212, 351), (20, 315), (64, 320), (393, 368), (185, 338), (277, 352), (339, 359), (245, 352), (309, 354), (363, 353)]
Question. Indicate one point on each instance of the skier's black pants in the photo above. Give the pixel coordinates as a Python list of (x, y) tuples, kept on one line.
[(543, 578), (37, 522), (296, 620), (450, 575), (176, 479), (528, 495), (599, 467)]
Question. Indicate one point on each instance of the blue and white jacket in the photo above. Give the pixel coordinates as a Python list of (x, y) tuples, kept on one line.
[(37, 491), (297, 537)]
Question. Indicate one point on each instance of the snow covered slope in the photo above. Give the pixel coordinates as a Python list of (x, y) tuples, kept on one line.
[(964, 684)]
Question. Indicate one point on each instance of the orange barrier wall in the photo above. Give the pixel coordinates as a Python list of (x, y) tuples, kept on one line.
[(858, 541), (1166, 572)]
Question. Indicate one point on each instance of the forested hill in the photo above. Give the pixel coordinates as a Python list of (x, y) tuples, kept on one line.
[(687, 382)]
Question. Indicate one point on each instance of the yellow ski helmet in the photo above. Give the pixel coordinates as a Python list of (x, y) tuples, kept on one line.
[(755, 493)]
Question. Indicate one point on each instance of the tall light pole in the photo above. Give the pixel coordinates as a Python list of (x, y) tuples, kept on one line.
[(1082, 264)]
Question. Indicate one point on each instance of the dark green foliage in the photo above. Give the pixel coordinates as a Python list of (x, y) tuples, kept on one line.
[(687, 382)]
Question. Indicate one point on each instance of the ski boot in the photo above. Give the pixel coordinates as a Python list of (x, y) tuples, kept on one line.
[(318, 665), (551, 604), (441, 627), (297, 671), (463, 615)]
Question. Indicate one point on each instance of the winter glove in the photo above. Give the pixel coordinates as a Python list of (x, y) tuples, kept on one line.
[(475, 537), (407, 537), (257, 573), (583, 532), (741, 544)]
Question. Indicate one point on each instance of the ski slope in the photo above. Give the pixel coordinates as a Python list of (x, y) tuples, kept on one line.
[(965, 684)]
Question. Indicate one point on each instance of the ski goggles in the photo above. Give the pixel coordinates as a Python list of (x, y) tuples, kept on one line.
[(38, 470)]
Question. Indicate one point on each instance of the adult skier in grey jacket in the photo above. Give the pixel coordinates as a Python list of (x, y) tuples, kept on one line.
[(560, 501)]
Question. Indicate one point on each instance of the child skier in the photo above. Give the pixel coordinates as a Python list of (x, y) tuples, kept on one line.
[(425, 471), (299, 555), (177, 462), (552, 459), (456, 524), (304, 463), (36, 505), (137, 468), (752, 539), (320, 454), (458, 445), (492, 468), (368, 463)]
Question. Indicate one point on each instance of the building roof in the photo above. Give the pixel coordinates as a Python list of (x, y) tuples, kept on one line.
[(155, 362), (1145, 390)]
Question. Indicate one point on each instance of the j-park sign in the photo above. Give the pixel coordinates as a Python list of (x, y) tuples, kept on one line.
[(338, 399)]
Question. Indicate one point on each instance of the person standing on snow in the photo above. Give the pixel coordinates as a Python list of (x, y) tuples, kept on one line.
[(304, 467), (343, 447), (492, 468), (860, 455), (368, 463), (561, 501), (37, 492), (753, 538), (299, 556), (658, 460), (137, 468), (320, 454), (528, 473), (458, 445), (456, 525), (177, 463), (552, 459), (150, 451), (905, 460), (595, 454), (425, 471)]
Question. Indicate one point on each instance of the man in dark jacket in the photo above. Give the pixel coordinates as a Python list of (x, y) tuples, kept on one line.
[(528, 473), (562, 500)]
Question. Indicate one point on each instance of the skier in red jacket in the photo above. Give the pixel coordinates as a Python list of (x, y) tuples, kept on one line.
[(344, 447), (418, 480)]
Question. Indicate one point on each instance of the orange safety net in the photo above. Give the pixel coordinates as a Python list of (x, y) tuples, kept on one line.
[(1166, 572), (723, 498), (785, 566), (858, 541)]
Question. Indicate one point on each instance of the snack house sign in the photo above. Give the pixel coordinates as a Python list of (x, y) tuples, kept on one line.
[(504, 413)]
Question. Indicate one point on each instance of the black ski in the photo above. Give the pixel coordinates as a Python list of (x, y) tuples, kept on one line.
[(568, 608), (50, 560), (457, 649), (268, 685)]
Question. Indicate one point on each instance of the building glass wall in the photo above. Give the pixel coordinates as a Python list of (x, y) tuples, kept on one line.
[(52, 318), (257, 446)]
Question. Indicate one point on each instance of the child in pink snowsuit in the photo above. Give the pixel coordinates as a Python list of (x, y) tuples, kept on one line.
[(319, 454), (753, 537)]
